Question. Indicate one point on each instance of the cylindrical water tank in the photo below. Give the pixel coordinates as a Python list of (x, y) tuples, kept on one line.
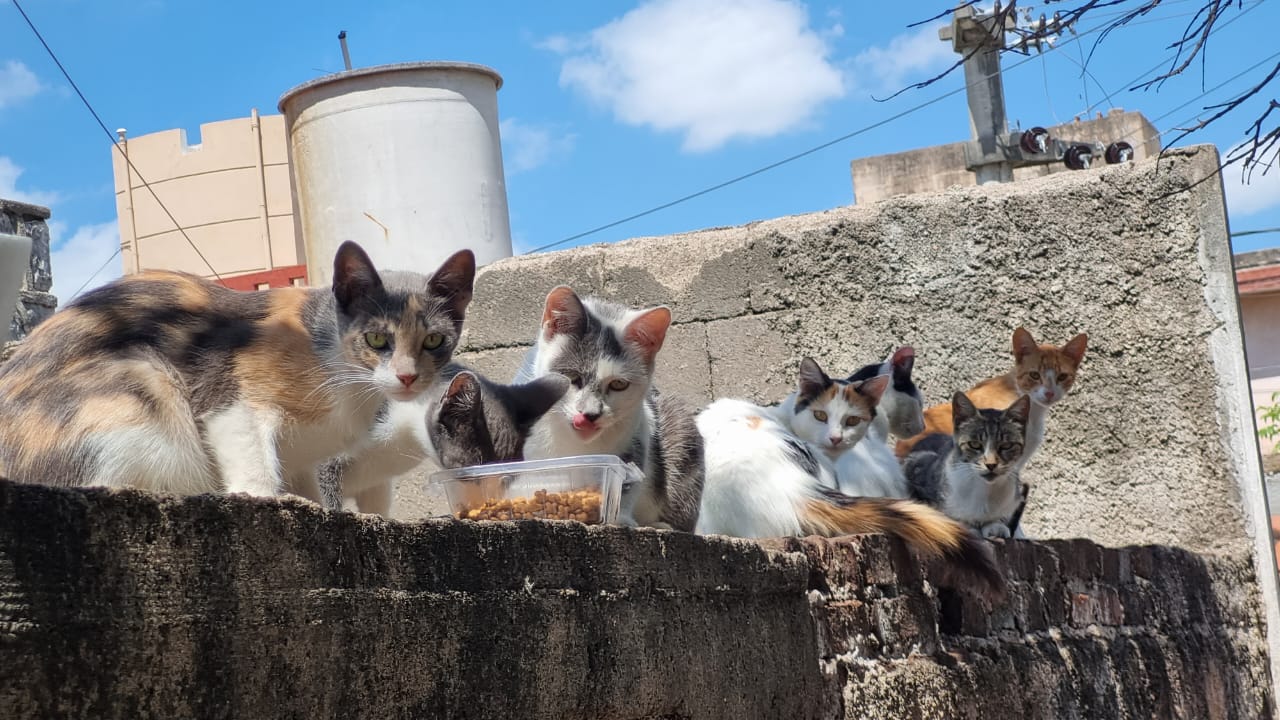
[(404, 159)]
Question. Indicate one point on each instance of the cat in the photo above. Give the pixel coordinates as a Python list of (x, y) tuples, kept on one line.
[(1046, 373), (608, 351), (830, 415), (465, 419), (973, 475), (761, 481), (870, 468), (168, 382)]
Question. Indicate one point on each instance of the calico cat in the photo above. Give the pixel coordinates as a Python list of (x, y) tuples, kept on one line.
[(761, 481), (607, 351), (973, 475), (165, 381), (830, 415), (870, 467), (465, 419), (1045, 373)]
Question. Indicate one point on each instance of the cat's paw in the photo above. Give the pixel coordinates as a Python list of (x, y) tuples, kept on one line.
[(995, 531)]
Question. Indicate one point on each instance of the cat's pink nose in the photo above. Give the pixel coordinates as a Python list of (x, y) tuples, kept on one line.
[(835, 440), (1049, 395), (406, 380), (582, 422)]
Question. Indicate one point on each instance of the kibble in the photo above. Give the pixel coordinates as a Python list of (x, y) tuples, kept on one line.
[(580, 505)]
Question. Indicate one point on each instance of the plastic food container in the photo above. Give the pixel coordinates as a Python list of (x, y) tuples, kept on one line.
[(586, 488)]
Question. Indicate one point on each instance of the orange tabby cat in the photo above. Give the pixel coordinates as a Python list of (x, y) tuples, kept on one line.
[(1045, 372)]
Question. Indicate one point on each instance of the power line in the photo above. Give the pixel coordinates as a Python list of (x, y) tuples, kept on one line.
[(115, 143), (101, 267), (792, 158), (1263, 231)]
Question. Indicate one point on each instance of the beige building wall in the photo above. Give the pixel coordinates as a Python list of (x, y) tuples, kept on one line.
[(942, 166), (1261, 316), (230, 193)]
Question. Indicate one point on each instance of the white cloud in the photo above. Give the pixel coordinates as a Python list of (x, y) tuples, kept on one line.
[(1246, 196), (713, 70), (526, 147), (75, 260), (906, 58), (17, 83), (9, 174)]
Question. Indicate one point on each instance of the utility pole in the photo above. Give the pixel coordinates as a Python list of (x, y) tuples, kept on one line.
[(980, 41), (994, 152)]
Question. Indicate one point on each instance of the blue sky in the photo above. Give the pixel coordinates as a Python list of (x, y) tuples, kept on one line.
[(608, 108)]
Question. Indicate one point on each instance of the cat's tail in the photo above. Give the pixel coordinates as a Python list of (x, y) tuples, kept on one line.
[(926, 530)]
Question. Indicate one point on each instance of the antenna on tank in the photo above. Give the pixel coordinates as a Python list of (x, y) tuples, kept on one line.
[(346, 56)]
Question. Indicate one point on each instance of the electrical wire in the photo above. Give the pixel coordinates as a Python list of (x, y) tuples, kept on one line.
[(111, 136)]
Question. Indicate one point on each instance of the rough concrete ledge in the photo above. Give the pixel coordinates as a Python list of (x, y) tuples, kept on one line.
[(116, 604)]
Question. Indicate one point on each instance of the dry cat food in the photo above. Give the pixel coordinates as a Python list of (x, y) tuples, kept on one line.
[(580, 505)]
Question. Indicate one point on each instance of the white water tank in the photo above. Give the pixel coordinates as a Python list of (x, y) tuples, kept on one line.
[(404, 159)]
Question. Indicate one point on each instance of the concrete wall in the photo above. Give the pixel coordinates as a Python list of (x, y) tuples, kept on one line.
[(942, 166), (230, 193), (123, 605), (35, 302), (1155, 443)]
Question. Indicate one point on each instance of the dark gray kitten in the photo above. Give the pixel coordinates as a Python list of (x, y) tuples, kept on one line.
[(465, 420), (972, 476), (479, 421)]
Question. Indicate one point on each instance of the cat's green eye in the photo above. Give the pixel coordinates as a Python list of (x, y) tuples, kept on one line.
[(377, 341), (975, 447), (432, 341), (820, 415), (1035, 376), (619, 385), (852, 421)]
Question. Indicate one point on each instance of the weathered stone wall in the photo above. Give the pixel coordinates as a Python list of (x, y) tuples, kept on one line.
[(1149, 447), (36, 302), (124, 605)]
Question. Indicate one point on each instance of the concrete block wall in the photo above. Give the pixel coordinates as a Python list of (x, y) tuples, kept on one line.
[(119, 604), (36, 302), (1150, 446)]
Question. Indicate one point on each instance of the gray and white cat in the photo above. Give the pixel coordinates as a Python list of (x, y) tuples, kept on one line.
[(464, 419), (973, 475), (608, 351)]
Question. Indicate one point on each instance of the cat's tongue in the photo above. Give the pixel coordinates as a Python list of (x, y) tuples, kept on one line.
[(582, 423)]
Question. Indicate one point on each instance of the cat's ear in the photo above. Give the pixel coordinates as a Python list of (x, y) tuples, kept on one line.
[(1023, 344), (962, 409), (811, 381), (563, 313), (463, 397), (354, 276), (532, 400), (454, 282), (648, 331), (1075, 348), (902, 361), (1020, 410), (873, 388)]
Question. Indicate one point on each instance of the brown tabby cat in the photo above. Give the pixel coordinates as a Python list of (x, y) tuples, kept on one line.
[(169, 382), (1044, 372)]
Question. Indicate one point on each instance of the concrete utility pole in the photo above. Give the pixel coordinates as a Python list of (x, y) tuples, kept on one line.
[(994, 152), (978, 38)]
